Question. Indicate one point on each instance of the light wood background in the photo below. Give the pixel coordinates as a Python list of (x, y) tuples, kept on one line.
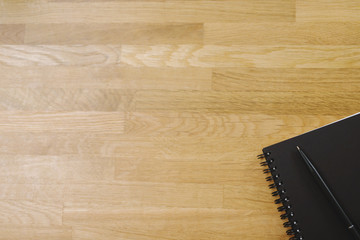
[(141, 120)]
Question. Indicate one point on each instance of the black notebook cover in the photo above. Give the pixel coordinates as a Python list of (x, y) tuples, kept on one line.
[(334, 150)]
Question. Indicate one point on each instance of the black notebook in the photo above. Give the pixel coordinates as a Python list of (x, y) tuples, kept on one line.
[(334, 150)]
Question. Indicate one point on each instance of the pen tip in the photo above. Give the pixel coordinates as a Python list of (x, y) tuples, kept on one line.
[(298, 148)]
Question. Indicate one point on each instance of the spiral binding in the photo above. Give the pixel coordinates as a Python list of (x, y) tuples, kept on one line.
[(286, 208)]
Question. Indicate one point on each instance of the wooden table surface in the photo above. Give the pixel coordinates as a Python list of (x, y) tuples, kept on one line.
[(141, 120)]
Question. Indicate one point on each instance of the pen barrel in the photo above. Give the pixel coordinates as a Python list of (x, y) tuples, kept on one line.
[(330, 195), (355, 232)]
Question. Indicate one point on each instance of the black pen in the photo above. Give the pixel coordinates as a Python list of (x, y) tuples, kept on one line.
[(329, 194)]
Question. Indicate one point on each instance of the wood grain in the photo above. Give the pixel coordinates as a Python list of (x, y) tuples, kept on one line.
[(141, 120), (165, 223), (286, 79), (284, 33), (54, 55), (112, 145), (58, 99), (110, 33), (104, 196), (210, 170), (327, 11), (42, 171), (30, 191), (12, 33), (148, 11), (247, 196), (240, 125), (249, 102), (87, 233), (34, 233), (106, 77), (62, 122), (309, 56), (30, 213)]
